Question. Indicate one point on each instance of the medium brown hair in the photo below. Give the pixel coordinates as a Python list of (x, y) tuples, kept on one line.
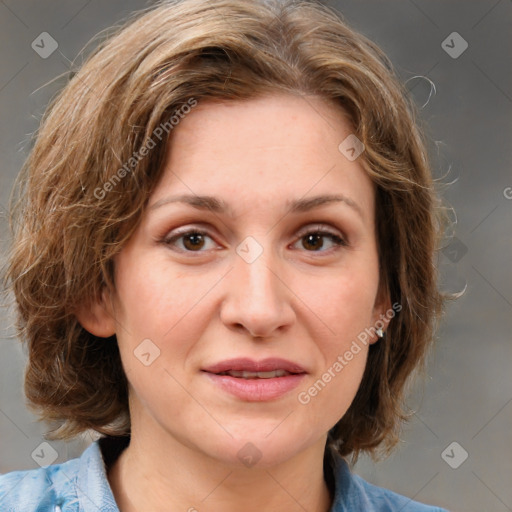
[(68, 227)]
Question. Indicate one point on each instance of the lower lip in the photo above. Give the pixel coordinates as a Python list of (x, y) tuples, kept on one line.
[(257, 390)]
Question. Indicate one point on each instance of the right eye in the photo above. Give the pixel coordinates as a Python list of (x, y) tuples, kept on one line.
[(192, 240)]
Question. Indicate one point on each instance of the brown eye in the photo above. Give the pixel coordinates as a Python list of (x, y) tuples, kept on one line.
[(314, 240), (191, 241)]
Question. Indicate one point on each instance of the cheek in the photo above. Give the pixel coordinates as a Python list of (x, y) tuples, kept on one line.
[(328, 396), (152, 298), (347, 309), (343, 300), (162, 305), (344, 303)]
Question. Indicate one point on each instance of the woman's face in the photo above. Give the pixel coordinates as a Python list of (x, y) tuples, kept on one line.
[(250, 279)]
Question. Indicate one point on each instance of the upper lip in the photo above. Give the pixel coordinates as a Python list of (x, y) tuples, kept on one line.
[(250, 365)]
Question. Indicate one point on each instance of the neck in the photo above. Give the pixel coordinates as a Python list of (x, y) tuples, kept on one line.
[(151, 476)]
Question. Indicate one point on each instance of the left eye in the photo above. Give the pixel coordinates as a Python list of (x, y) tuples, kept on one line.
[(315, 239), (195, 240)]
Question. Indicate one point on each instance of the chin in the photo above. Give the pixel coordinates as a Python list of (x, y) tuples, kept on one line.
[(260, 451)]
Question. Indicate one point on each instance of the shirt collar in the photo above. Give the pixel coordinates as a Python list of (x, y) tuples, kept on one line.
[(93, 489), (346, 493)]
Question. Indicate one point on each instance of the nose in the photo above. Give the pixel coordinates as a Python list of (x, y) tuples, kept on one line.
[(257, 299)]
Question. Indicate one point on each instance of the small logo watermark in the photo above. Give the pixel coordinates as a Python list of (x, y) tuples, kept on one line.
[(454, 45), (249, 455), (454, 455), (44, 45), (147, 352), (455, 250), (249, 249), (45, 454), (351, 147)]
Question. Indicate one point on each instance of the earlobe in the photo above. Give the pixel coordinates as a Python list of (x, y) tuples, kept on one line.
[(97, 317), (382, 315)]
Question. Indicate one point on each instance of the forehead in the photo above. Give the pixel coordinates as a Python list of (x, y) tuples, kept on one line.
[(266, 151)]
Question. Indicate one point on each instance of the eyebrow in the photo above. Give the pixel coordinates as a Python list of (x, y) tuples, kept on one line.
[(217, 205)]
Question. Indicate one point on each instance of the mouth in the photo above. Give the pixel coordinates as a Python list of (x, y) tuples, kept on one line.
[(256, 381), (256, 375), (245, 368)]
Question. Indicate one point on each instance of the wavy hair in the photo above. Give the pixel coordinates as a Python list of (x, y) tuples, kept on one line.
[(135, 80)]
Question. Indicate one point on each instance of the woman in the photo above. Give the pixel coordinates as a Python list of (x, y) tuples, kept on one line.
[(224, 265)]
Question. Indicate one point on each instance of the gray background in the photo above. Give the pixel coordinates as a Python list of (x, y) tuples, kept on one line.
[(467, 395)]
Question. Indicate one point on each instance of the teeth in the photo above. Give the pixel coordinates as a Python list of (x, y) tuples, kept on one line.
[(256, 375)]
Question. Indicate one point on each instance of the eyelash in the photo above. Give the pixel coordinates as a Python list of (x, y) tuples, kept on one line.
[(335, 238)]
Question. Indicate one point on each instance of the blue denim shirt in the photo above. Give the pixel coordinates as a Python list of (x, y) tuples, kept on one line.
[(81, 485)]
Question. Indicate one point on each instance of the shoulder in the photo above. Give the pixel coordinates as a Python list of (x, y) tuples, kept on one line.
[(43, 489), (382, 499), (78, 485), (354, 493)]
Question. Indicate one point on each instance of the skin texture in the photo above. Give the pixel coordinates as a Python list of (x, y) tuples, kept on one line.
[(299, 300)]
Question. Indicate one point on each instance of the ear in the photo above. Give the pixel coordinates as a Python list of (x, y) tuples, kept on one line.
[(382, 311), (97, 317)]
